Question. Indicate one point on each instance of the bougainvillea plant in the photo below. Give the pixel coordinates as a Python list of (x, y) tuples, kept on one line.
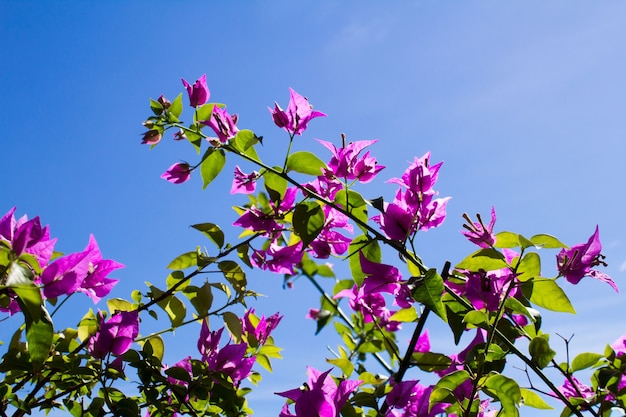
[(295, 211)]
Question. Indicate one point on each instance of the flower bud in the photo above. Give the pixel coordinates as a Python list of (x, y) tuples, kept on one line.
[(152, 137)]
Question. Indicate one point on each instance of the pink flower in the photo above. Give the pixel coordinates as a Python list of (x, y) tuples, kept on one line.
[(345, 162), (151, 137), (263, 327), (223, 124), (578, 390), (198, 92), (478, 233), (278, 259), (244, 183), (298, 114), (320, 396), (230, 360), (576, 262), (27, 236), (115, 335), (84, 271), (177, 173), (410, 398)]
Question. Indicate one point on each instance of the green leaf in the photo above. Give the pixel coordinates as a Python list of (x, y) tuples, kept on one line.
[(201, 298), (486, 259), (156, 107), (529, 267), (204, 112), (532, 399), (39, 335), (430, 361), (176, 108), (212, 231), (233, 324), (184, 261), (540, 351), (429, 290), (369, 248), (308, 221), (175, 278), (275, 185), (344, 364), (507, 240), (88, 325), (443, 390), (405, 315), (476, 317), (174, 308), (305, 163), (507, 391), (585, 360), (119, 304), (524, 242), (234, 274), (212, 164), (354, 204), (29, 298), (547, 241), (19, 276), (546, 293), (157, 347), (244, 139), (178, 373)]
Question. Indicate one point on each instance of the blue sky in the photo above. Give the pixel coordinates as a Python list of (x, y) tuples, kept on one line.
[(524, 101)]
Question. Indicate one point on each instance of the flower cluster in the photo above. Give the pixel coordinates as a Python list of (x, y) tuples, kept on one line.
[(297, 116), (414, 206), (576, 262), (320, 396), (84, 271)]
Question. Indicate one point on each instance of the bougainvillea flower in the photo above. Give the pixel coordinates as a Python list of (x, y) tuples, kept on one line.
[(152, 137), (478, 233), (371, 305), (97, 284), (177, 173), (244, 183), (410, 398), (320, 396), (223, 124), (423, 342), (331, 242), (345, 162), (198, 92), (298, 114), (115, 335), (260, 328), (254, 219), (278, 259), (229, 360), (64, 275), (619, 346), (326, 186), (576, 262), (487, 289), (84, 271), (579, 391), (27, 236), (379, 277), (420, 177)]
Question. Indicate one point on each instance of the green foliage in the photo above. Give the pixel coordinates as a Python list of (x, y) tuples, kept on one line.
[(305, 163), (428, 291), (212, 164)]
